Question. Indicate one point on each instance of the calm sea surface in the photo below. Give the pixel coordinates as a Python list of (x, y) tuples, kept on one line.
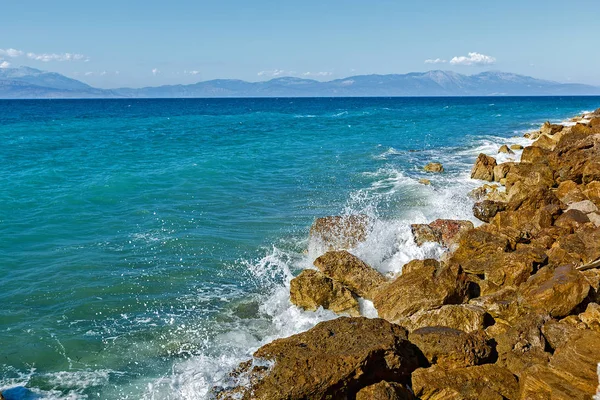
[(146, 246)]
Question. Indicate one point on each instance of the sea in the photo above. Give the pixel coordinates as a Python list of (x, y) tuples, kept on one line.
[(147, 245)]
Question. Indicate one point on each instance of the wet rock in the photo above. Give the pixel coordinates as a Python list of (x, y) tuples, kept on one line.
[(451, 348), (569, 192), (504, 149), (576, 361), (555, 291), (446, 232), (335, 359), (572, 220), (465, 317), (542, 382), (312, 289), (501, 170), (482, 382), (351, 271), (487, 209), (484, 168), (434, 167), (340, 232), (414, 265), (421, 290), (424, 181), (385, 391), (423, 233), (516, 147)]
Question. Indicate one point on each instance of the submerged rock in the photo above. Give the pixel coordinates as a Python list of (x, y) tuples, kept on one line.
[(352, 272), (434, 167), (385, 391), (340, 232), (312, 289), (424, 181), (335, 359), (484, 168)]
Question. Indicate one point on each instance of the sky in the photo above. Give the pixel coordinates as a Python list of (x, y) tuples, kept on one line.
[(134, 43)]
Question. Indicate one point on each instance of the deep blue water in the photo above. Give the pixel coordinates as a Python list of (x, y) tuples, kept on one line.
[(146, 245)]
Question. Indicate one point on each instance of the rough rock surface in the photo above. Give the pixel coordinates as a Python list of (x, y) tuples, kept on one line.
[(541, 382), (385, 391), (451, 348), (335, 359), (351, 271), (505, 149), (446, 232), (434, 167), (484, 168), (424, 289), (312, 289), (340, 232), (465, 317), (487, 209), (482, 382)]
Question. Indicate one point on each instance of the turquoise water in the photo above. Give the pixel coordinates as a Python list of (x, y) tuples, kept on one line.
[(146, 245)]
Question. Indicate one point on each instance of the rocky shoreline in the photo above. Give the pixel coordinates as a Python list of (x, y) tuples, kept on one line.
[(511, 311)]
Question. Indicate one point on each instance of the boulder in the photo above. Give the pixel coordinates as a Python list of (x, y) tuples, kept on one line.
[(446, 232), (423, 289), (484, 168), (481, 382), (521, 226), (572, 220), (579, 248), (591, 172), (340, 232), (535, 155), (351, 271), (487, 209), (585, 206), (312, 289), (558, 333), (385, 391), (569, 192), (576, 155), (501, 170), (465, 317), (594, 219), (541, 382), (546, 142), (555, 291), (476, 249), (423, 233), (451, 348), (576, 361), (505, 149), (414, 265), (550, 129), (591, 317), (538, 174), (516, 147), (434, 167), (531, 198), (424, 181), (502, 304), (592, 192), (335, 359)]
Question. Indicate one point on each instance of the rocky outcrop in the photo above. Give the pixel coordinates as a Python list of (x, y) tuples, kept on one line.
[(484, 168), (482, 382), (312, 289), (423, 289), (351, 271), (385, 391), (434, 167), (446, 232), (340, 232), (334, 360)]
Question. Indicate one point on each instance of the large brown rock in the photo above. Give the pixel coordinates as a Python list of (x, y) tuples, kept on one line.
[(487, 209), (340, 232), (576, 361), (312, 289), (423, 289), (555, 291), (569, 192), (543, 383), (451, 348), (482, 382), (465, 317), (484, 168), (385, 391), (531, 198), (476, 249), (446, 232), (576, 155), (579, 248), (501, 170), (351, 271), (572, 220), (546, 142), (502, 304), (434, 167), (534, 154), (538, 174), (334, 360), (557, 333), (550, 129), (592, 192), (414, 265)]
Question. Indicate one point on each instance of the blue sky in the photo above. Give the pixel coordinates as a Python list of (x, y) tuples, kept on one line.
[(148, 43)]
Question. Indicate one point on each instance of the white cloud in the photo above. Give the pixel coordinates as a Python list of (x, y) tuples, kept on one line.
[(46, 57), (4, 64), (102, 73), (317, 73), (11, 52), (89, 73), (155, 71), (435, 61), (191, 72), (473, 59), (273, 73)]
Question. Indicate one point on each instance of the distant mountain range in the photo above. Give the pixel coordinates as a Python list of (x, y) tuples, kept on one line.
[(30, 83)]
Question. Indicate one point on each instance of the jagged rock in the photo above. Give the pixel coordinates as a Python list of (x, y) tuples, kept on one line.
[(385, 391), (477, 248), (484, 168), (532, 175), (558, 333), (482, 382), (446, 232), (481, 192), (504, 149), (569, 192), (531, 198), (451, 348), (423, 289), (546, 142), (576, 155), (434, 167), (557, 291), (572, 220), (414, 265), (592, 192), (591, 317), (520, 226), (516, 147), (335, 359), (501, 170), (579, 248), (535, 155), (465, 317), (591, 172), (544, 383), (351, 271), (502, 304), (424, 181), (312, 289), (577, 359), (340, 232), (585, 206), (594, 219), (487, 209), (550, 129)]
